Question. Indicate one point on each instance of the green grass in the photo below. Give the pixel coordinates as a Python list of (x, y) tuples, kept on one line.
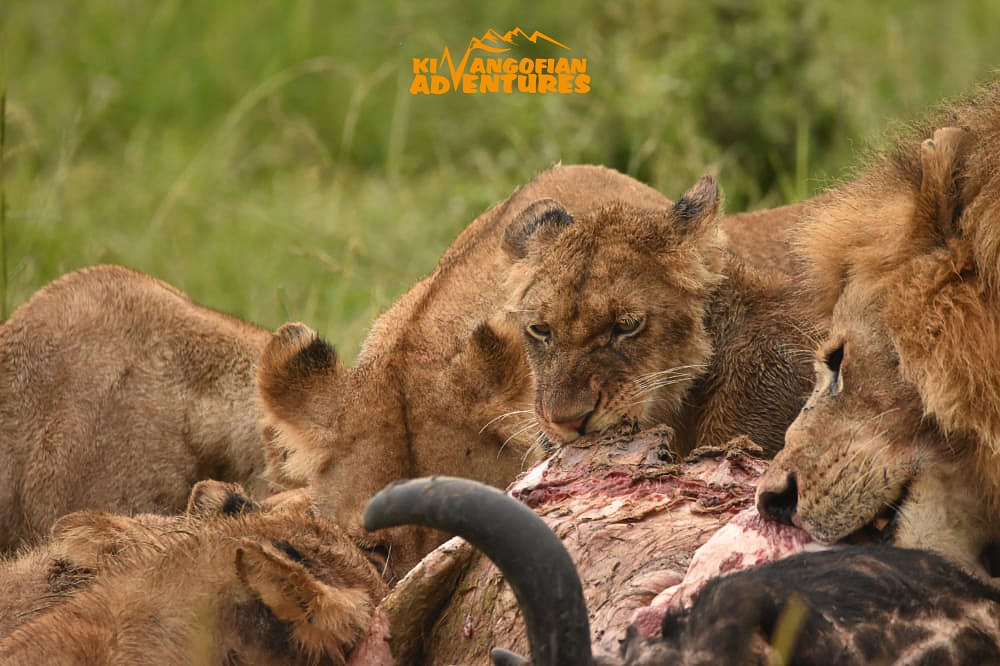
[(268, 158)]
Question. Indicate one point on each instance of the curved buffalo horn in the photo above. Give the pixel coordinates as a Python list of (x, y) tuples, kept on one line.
[(531, 558), (502, 657)]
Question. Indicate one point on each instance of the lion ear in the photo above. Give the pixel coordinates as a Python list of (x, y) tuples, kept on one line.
[(938, 206), (698, 208), (322, 618), (542, 221), (218, 498), (89, 538), (695, 220), (299, 384)]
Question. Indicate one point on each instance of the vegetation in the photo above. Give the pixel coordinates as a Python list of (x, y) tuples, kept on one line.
[(269, 159)]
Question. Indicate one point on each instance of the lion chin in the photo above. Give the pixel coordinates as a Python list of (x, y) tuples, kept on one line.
[(899, 441)]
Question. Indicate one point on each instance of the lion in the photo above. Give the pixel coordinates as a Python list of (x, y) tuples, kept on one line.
[(230, 581), (900, 440), (639, 314), (118, 394), (451, 378), (80, 544), (35, 579)]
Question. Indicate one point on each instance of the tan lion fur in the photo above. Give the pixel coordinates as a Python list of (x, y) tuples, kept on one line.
[(232, 581), (765, 238), (442, 385), (118, 394), (717, 348), (33, 580), (906, 266)]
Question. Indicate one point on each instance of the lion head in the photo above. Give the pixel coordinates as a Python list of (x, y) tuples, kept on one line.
[(863, 461), (900, 439), (611, 307)]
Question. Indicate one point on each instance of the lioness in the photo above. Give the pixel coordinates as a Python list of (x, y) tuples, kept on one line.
[(900, 439), (628, 305), (231, 582), (118, 393)]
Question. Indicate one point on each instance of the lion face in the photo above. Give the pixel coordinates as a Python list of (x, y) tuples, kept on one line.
[(611, 308), (862, 462), (898, 441)]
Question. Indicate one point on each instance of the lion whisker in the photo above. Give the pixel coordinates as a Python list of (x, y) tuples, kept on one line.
[(849, 463), (653, 380), (867, 477), (648, 401), (643, 390), (657, 373), (537, 445), (808, 334), (788, 347), (515, 434), (524, 376), (661, 376), (883, 413), (522, 423), (385, 566), (665, 381), (663, 373), (504, 416)]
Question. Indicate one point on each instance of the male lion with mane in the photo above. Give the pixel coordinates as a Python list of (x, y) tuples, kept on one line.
[(900, 440)]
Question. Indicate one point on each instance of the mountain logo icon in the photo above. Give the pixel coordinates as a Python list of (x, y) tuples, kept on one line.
[(494, 42)]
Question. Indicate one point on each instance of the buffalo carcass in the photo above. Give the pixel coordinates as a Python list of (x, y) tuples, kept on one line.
[(631, 518), (871, 604)]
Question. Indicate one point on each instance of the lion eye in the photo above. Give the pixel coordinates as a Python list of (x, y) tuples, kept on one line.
[(540, 332), (833, 361), (376, 553), (628, 324)]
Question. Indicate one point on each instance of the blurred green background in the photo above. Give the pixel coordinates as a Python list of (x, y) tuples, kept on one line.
[(268, 158)]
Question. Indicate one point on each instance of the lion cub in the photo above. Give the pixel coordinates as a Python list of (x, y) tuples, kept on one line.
[(642, 314), (584, 298), (118, 394), (231, 582)]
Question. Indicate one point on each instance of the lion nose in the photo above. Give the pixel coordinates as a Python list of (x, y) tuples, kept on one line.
[(574, 424), (778, 502)]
